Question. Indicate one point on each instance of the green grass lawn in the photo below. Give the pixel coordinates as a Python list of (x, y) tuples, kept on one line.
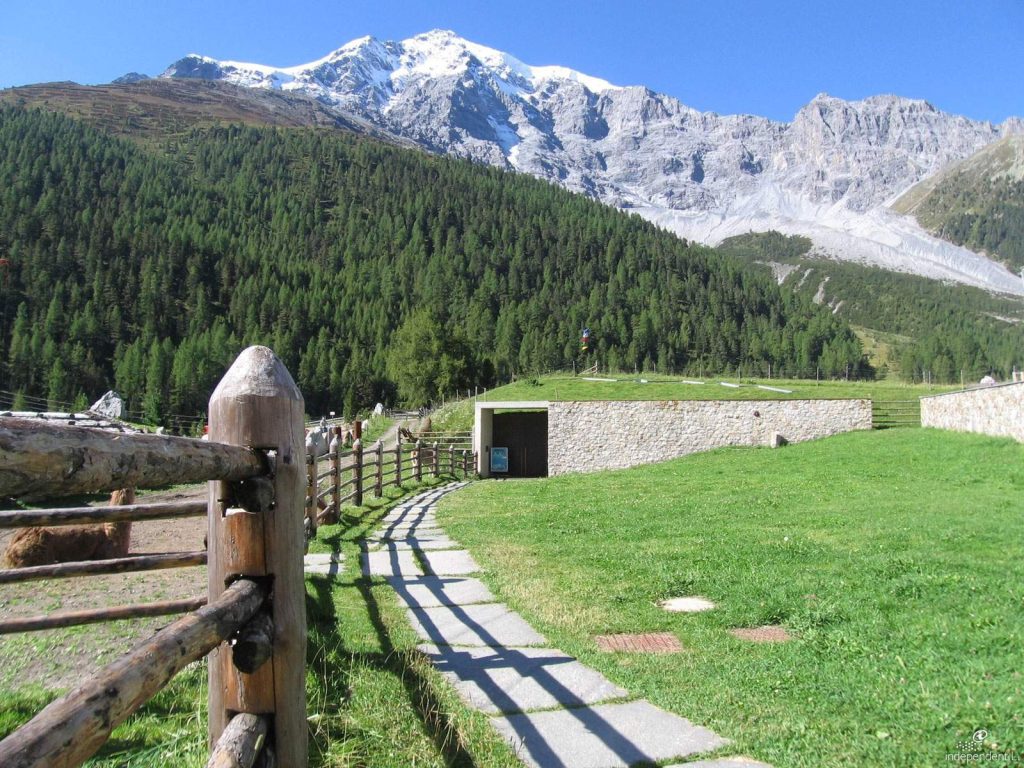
[(629, 387), (895, 559), (373, 699)]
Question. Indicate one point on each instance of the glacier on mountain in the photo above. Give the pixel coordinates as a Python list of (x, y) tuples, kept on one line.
[(828, 175)]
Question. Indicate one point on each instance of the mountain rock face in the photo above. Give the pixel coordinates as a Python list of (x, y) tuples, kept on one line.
[(828, 175)]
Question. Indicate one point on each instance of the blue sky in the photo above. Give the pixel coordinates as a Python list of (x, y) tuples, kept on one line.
[(728, 56)]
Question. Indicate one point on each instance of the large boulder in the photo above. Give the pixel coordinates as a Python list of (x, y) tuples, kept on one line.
[(110, 406)]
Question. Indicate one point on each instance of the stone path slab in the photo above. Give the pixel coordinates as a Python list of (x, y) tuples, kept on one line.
[(416, 542), (486, 624), (603, 736), (456, 562), (403, 535), (415, 512), (508, 680), (434, 591), (408, 521), (406, 532), (324, 564), (390, 562)]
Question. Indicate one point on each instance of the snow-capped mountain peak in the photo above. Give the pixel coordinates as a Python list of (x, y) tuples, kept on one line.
[(829, 174)]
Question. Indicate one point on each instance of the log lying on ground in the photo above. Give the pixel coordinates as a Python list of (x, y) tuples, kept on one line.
[(40, 460), (75, 726)]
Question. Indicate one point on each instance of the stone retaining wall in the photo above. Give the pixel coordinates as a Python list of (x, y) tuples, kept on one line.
[(997, 410), (591, 436)]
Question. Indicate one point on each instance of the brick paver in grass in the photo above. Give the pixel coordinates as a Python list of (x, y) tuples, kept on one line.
[(649, 642), (770, 633)]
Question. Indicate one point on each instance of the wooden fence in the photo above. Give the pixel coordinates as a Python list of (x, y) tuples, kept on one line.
[(347, 476), (252, 621)]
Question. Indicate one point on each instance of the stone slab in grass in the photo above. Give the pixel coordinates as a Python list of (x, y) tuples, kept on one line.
[(694, 604), (723, 762), (414, 542), (390, 562), (324, 563), (487, 624), (455, 562), (434, 591), (603, 736), (507, 680)]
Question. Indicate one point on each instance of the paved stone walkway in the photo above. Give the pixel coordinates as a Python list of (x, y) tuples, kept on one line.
[(554, 711), (323, 564)]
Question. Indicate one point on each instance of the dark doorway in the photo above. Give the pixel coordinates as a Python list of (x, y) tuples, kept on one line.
[(525, 434)]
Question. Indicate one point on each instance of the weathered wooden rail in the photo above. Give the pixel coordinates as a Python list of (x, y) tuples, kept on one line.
[(254, 463), (345, 475)]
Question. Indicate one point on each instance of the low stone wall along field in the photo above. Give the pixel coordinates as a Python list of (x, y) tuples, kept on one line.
[(598, 435), (997, 411)]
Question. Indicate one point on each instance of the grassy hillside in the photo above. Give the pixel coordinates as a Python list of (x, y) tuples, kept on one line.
[(893, 559), (158, 111)]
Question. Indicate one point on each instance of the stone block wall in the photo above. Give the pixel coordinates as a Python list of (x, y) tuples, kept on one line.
[(997, 411), (591, 436)]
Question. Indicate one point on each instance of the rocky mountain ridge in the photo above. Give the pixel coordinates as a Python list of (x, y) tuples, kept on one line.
[(830, 174)]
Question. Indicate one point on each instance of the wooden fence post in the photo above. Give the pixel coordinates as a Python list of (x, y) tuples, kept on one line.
[(436, 456), (378, 485), (335, 449), (465, 463), (417, 461), (451, 459), (357, 472), (398, 462), (257, 405), (311, 490)]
